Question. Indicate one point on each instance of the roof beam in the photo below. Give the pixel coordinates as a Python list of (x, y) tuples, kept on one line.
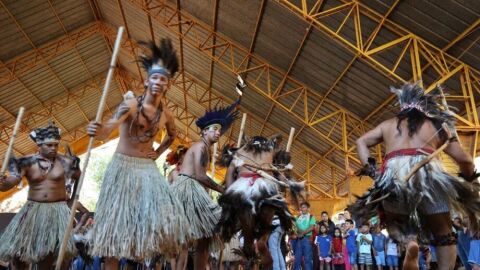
[(360, 10), (55, 103), (124, 19), (164, 14), (418, 47), (261, 11), (290, 67), (347, 68), (150, 25), (84, 65), (212, 62), (14, 148), (182, 64), (45, 62), (38, 100), (24, 62)]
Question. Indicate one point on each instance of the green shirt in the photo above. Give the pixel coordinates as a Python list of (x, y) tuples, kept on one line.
[(303, 222)]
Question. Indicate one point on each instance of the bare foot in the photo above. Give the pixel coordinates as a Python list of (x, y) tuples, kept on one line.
[(411, 257)]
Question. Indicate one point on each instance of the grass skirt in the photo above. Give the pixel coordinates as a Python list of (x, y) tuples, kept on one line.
[(245, 199), (201, 211), (430, 191), (35, 232), (137, 215)]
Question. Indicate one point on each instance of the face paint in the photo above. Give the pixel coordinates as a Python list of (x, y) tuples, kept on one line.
[(213, 127)]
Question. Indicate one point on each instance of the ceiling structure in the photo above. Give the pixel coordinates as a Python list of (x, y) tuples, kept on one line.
[(321, 66)]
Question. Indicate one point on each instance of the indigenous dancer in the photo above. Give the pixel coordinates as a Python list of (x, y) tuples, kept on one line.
[(137, 216), (412, 191), (35, 233), (253, 196), (189, 186), (175, 158)]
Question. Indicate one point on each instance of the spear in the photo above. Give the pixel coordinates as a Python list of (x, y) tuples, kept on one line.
[(98, 119), (12, 139)]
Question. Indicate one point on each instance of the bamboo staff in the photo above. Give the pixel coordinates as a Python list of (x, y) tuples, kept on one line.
[(431, 156), (98, 119), (242, 130), (12, 139), (214, 159), (290, 139)]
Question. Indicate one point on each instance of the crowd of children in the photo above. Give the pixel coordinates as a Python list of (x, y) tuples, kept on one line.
[(345, 245)]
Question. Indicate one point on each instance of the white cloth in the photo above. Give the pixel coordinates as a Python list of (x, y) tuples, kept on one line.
[(391, 248), (364, 247)]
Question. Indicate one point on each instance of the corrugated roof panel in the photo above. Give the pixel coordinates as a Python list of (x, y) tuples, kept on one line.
[(359, 94), (95, 54), (24, 143), (73, 14), (203, 10), (71, 72), (196, 63), (13, 95), (42, 82), (313, 141), (283, 121), (110, 12), (239, 28), (12, 42), (70, 116), (276, 48), (89, 103), (320, 62), (389, 56), (437, 23), (38, 20), (468, 49)]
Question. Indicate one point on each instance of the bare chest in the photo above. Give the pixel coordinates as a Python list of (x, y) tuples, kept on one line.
[(144, 125), (44, 170)]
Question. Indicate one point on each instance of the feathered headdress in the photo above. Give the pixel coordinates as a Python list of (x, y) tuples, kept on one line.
[(162, 59), (223, 116), (413, 97), (259, 144), (48, 134)]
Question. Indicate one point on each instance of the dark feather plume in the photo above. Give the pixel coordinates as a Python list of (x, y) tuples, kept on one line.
[(163, 55)]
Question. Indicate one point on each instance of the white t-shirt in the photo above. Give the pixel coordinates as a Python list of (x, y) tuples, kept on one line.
[(392, 248), (364, 247)]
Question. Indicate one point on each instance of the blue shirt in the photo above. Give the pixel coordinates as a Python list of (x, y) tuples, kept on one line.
[(379, 241), (351, 241), (324, 244)]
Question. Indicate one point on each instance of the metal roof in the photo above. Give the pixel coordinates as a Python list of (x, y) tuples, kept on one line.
[(323, 68)]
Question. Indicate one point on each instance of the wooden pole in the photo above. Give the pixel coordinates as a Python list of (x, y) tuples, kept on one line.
[(98, 119), (242, 130), (214, 158), (290, 139), (6, 160)]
